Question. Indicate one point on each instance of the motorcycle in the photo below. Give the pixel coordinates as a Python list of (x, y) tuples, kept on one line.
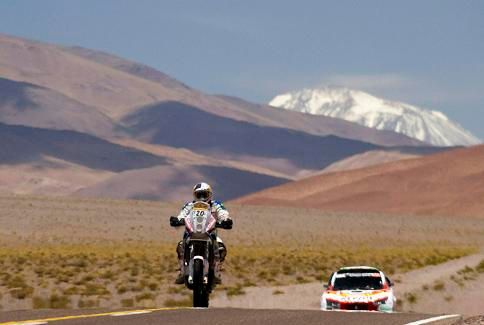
[(199, 259)]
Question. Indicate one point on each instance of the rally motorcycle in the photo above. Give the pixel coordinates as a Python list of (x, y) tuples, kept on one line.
[(199, 260)]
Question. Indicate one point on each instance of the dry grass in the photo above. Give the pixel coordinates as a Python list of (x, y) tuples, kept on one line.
[(80, 253), (87, 276)]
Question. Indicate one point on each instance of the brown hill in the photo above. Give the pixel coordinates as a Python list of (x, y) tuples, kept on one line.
[(24, 145), (48, 176), (183, 126), (117, 87), (40, 161), (26, 104), (174, 183), (449, 183), (367, 159)]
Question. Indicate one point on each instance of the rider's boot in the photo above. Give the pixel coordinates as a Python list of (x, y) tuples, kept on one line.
[(217, 274), (220, 253), (180, 279)]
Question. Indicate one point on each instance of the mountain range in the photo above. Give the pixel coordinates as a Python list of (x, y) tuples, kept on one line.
[(76, 121), (429, 126)]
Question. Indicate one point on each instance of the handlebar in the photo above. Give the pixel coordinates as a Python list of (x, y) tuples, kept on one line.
[(224, 224)]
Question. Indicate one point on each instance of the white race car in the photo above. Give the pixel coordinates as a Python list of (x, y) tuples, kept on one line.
[(358, 288)]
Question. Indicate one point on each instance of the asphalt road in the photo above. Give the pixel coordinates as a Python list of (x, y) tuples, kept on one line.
[(207, 316)]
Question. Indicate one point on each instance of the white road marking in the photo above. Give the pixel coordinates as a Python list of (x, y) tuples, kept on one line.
[(31, 323), (133, 312), (432, 319)]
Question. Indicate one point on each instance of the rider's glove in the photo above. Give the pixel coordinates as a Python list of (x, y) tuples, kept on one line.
[(227, 224), (174, 222)]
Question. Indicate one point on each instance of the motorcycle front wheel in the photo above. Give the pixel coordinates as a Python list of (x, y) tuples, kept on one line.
[(200, 293)]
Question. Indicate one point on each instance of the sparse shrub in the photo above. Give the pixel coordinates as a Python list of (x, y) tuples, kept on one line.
[(235, 291), (22, 292), (480, 267), (187, 302), (248, 283), (465, 270), (301, 280), (153, 286), (18, 288), (144, 296), (175, 289), (411, 297), (122, 289), (108, 275), (40, 303), (92, 289), (59, 302), (438, 285), (71, 291), (88, 303), (457, 280), (128, 302), (278, 292)]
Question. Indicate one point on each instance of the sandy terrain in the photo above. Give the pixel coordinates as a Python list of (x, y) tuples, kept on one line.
[(467, 298), (448, 183), (40, 218)]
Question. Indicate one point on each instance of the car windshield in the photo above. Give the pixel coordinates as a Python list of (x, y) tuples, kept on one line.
[(354, 281)]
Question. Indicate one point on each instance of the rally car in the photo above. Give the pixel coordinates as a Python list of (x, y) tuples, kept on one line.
[(358, 288)]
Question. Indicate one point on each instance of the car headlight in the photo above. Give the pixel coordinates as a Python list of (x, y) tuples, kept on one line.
[(331, 304), (381, 300)]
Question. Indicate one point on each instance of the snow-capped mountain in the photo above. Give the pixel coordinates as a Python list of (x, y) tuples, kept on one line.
[(356, 106)]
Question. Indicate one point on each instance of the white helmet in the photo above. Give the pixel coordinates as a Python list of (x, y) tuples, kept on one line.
[(202, 192)]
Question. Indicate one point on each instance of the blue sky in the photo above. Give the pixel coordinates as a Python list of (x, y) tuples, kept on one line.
[(428, 53)]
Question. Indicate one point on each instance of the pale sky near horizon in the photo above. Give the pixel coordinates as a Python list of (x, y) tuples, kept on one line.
[(427, 53)]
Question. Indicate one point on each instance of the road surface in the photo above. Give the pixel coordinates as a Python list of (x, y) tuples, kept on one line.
[(214, 316)]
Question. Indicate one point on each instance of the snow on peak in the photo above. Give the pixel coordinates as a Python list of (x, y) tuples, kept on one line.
[(357, 106)]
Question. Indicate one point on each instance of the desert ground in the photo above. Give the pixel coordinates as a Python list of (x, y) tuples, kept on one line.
[(101, 253)]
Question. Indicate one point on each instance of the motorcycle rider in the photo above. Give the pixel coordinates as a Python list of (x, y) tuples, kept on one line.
[(203, 192)]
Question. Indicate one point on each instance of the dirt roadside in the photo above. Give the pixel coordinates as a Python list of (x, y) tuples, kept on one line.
[(467, 300)]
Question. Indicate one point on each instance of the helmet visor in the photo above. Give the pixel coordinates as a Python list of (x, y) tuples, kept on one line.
[(202, 195)]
